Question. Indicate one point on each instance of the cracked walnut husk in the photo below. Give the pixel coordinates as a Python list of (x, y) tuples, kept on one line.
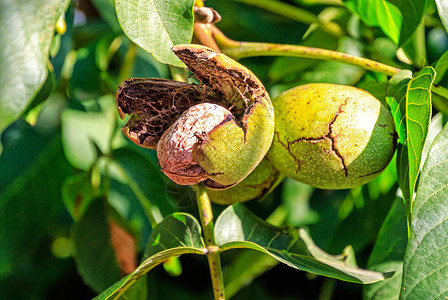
[(215, 131), (331, 136)]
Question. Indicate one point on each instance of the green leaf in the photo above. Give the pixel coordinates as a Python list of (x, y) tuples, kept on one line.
[(410, 102), (388, 253), (441, 67), (85, 79), (177, 230), (27, 29), (412, 12), (32, 171), (27, 149), (81, 131), (238, 228), (425, 263), (296, 197), (77, 194), (177, 234), (378, 13), (107, 12), (144, 178), (157, 25), (442, 9), (418, 116), (398, 19), (367, 215)]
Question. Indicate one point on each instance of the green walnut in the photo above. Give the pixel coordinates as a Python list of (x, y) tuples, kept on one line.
[(331, 136), (257, 185), (215, 129)]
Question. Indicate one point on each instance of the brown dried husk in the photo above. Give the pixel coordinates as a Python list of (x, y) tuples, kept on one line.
[(155, 104)]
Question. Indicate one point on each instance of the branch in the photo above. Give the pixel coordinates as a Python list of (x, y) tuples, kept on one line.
[(238, 50), (214, 261)]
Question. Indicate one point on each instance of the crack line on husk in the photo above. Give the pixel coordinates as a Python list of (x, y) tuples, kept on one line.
[(327, 137)]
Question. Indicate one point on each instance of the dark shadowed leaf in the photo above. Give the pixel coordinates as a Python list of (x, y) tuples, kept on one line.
[(27, 29), (107, 11), (238, 228), (177, 234), (425, 263), (245, 268), (94, 255), (363, 208), (32, 171), (388, 253), (157, 25), (366, 216)]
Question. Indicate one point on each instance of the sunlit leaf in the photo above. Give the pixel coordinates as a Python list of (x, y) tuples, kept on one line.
[(27, 29), (398, 19), (410, 103), (442, 9), (157, 25), (412, 12), (238, 228), (378, 13), (425, 264)]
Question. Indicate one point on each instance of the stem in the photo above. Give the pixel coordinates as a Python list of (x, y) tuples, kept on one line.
[(327, 289), (295, 13), (203, 34), (238, 50), (214, 261)]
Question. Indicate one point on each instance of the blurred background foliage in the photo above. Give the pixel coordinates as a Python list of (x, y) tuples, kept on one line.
[(71, 184)]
